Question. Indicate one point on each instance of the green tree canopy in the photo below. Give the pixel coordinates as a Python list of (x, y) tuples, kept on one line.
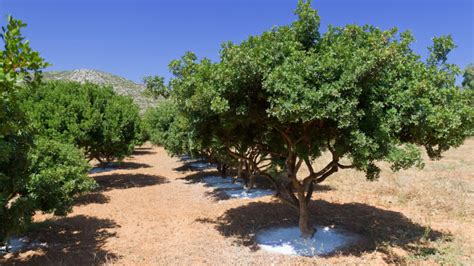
[(155, 87), (92, 117), (36, 174), (468, 81), (281, 99)]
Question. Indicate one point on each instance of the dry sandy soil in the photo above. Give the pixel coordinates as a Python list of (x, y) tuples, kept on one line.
[(151, 212)]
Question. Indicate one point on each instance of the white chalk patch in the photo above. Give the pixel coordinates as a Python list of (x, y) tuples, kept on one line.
[(288, 241), (219, 182), (18, 244), (201, 165), (108, 167), (97, 170), (253, 193), (235, 189)]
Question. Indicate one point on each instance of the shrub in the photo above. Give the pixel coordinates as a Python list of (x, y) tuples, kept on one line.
[(92, 117), (58, 173), (18, 64), (158, 121), (36, 174)]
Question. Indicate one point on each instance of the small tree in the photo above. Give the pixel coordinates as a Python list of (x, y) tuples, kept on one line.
[(468, 81), (92, 117), (279, 100), (155, 87), (158, 122)]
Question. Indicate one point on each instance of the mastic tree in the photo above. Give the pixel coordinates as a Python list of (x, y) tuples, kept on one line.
[(36, 174), (155, 87), (16, 61), (92, 117), (58, 173), (468, 81), (279, 100)]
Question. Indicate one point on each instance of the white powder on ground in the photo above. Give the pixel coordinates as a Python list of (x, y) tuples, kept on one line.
[(235, 189), (201, 165), (288, 241), (18, 244)]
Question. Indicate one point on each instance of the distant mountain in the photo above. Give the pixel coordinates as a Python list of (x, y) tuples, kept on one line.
[(120, 85)]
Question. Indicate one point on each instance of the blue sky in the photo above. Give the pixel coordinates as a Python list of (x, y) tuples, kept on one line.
[(135, 38)]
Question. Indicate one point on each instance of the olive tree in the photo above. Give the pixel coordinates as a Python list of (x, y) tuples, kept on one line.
[(279, 100)]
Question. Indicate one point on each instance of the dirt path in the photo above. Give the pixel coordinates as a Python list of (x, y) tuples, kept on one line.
[(151, 213)]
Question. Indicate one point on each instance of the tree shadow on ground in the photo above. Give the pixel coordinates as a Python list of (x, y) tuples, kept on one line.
[(322, 188), (197, 177), (124, 181), (217, 195), (76, 240), (188, 167), (143, 151), (91, 198), (107, 167), (376, 225)]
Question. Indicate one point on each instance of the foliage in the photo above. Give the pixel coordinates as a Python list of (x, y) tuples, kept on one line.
[(36, 174), (17, 60), (281, 99), (93, 117), (58, 173), (167, 128), (155, 87), (468, 81)]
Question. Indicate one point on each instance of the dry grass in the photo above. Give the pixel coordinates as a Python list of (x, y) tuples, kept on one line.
[(150, 212), (440, 196)]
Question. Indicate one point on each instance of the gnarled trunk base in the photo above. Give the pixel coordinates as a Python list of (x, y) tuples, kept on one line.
[(307, 231)]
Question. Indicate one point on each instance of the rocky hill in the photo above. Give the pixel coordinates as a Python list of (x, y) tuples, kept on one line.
[(120, 85)]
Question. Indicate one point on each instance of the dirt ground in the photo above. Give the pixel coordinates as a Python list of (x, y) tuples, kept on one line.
[(151, 212)]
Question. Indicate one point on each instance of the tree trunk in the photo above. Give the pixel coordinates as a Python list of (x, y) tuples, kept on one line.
[(306, 230), (251, 183), (293, 166)]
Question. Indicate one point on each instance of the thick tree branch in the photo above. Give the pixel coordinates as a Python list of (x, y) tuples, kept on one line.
[(326, 175), (290, 192), (309, 194), (345, 166)]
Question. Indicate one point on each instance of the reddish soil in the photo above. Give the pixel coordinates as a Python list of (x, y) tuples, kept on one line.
[(150, 212)]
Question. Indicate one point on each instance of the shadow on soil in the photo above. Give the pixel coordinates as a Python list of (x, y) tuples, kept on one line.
[(196, 177), (376, 225), (143, 151), (76, 240), (124, 181), (187, 165), (107, 167), (91, 198)]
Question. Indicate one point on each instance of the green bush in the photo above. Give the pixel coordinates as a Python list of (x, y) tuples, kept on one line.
[(17, 63), (92, 117), (158, 121), (36, 174), (58, 173)]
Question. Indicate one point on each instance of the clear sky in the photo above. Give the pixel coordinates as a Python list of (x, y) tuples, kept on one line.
[(135, 38)]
